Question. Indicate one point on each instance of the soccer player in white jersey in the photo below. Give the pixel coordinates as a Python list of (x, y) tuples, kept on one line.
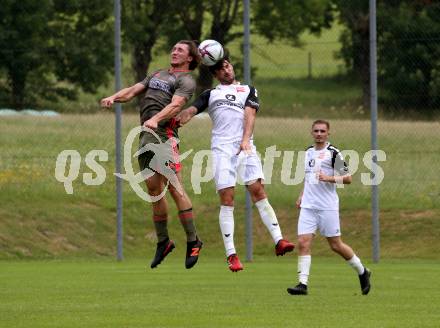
[(319, 203), (232, 107)]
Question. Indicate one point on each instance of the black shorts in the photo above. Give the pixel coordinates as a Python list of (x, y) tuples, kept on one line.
[(162, 149)]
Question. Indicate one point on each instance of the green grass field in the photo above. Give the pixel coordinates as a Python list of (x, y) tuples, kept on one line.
[(38, 218), (57, 251), (107, 294)]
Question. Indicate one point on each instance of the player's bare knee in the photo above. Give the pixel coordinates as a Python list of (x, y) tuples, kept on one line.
[(226, 196), (154, 190), (256, 190), (227, 200), (304, 243), (258, 195), (154, 187)]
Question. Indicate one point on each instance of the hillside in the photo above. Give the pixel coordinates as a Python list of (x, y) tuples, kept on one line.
[(38, 218)]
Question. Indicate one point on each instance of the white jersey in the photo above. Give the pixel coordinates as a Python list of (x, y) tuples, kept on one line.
[(226, 104), (318, 194)]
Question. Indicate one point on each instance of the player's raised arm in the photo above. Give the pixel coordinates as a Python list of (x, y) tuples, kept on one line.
[(123, 95), (169, 111), (198, 106)]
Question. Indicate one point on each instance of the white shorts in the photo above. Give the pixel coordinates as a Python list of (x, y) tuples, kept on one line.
[(327, 221), (227, 165)]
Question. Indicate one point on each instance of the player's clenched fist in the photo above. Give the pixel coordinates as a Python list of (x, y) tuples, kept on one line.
[(298, 202), (185, 116), (107, 102)]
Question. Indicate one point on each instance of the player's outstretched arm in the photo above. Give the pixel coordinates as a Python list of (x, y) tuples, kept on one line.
[(169, 111), (186, 115), (123, 95)]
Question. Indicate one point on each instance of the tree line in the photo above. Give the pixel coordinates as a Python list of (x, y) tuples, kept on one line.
[(51, 49)]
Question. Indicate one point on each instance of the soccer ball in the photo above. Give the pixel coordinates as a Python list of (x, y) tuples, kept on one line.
[(210, 52)]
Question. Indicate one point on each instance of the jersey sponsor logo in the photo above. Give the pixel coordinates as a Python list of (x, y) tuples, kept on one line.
[(312, 163), (158, 84), (228, 103), (230, 97)]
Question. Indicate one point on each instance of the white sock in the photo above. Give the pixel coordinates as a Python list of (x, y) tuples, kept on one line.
[(226, 220), (356, 264), (304, 263), (269, 219)]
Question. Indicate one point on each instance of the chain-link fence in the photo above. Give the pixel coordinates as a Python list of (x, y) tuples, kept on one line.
[(323, 76)]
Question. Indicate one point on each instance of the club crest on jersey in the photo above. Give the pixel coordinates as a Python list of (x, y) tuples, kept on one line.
[(230, 97), (240, 89), (312, 163)]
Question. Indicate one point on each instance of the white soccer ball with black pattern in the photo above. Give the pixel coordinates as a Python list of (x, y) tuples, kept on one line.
[(210, 52)]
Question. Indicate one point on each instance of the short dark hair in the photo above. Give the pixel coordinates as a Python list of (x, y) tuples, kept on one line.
[(193, 52), (218, 65), (321, 122)]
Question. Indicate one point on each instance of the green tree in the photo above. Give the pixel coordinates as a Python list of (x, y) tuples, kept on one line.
[(143, 22), (355, 39), (408, 34), (225, 14), (22, 31), (286, 19), (409, 54), (200, 20), (189, 20), (51, 49), (148, 21)]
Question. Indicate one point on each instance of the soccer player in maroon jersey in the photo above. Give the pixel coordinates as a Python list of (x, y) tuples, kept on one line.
[(165, 92)]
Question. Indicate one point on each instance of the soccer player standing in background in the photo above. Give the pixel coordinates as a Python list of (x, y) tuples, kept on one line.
[(232, 108), (166, 91), (319, 203)]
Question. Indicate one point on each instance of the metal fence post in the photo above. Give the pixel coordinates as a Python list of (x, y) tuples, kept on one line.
[(118, 119), (247, 80), (374, 144)]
